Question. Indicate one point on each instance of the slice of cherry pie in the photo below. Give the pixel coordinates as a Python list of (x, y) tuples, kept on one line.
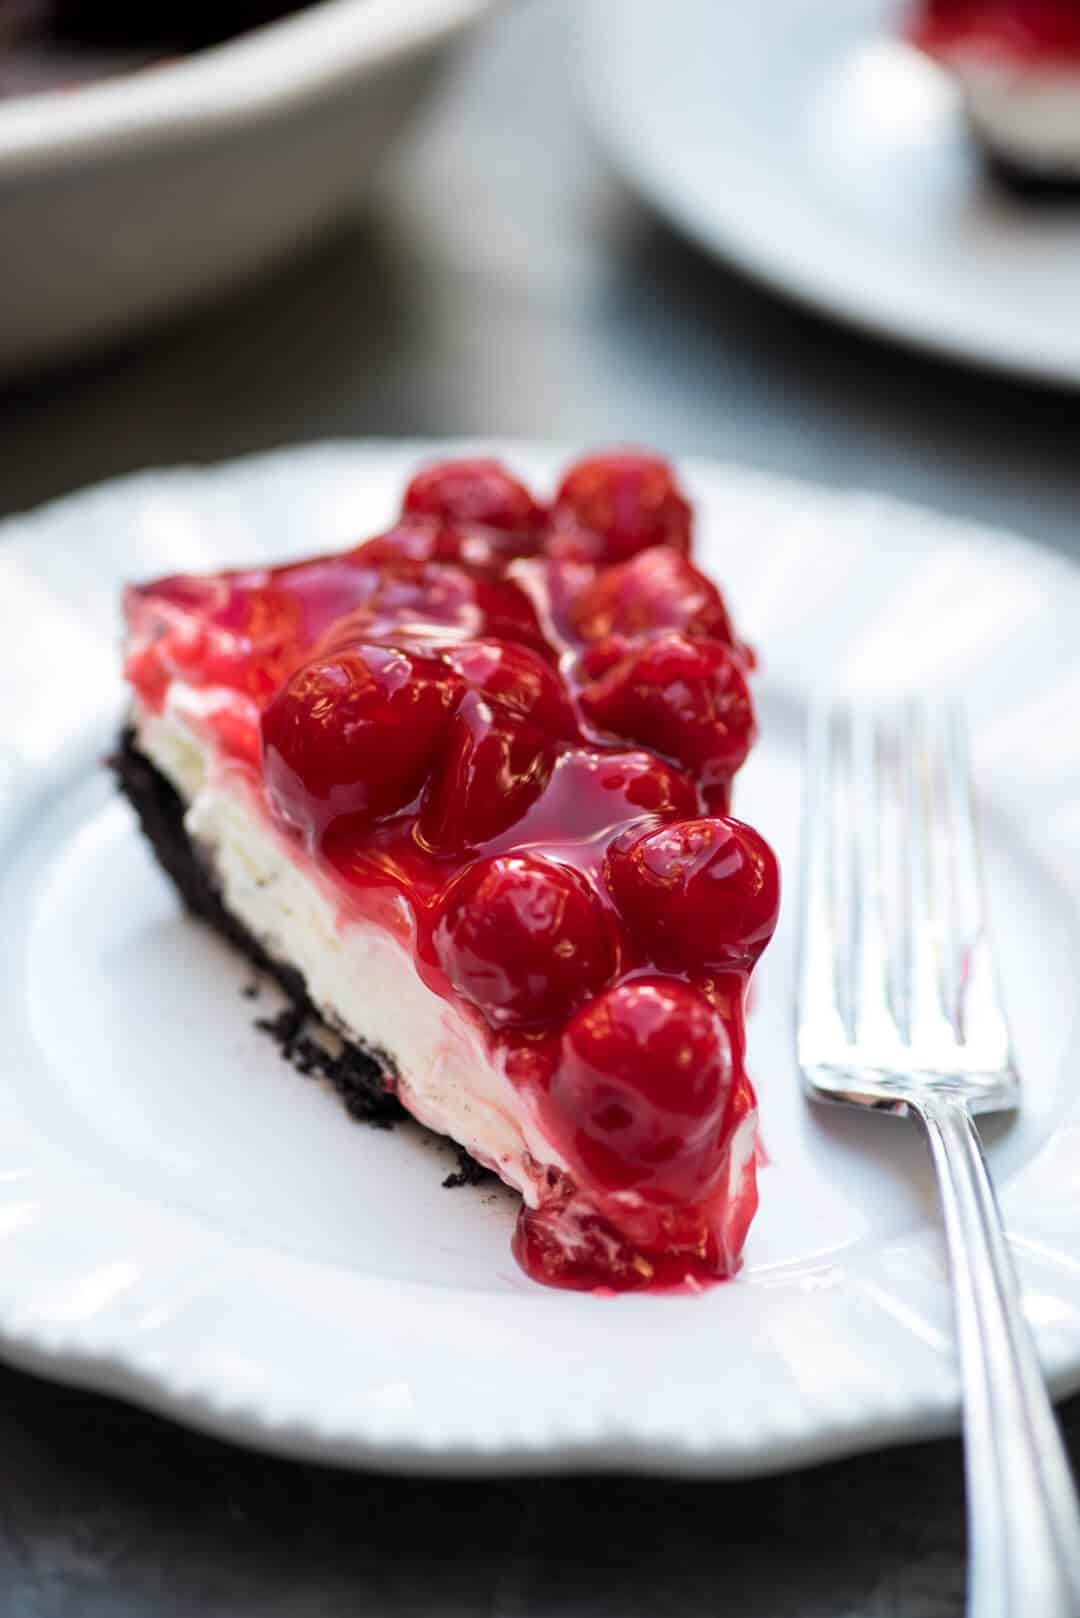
[(1016, 64), (465, 789)]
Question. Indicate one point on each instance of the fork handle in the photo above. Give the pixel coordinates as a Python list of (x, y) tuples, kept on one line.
[(1023, 1516)]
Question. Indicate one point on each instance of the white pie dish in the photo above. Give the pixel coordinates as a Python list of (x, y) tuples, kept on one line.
[(187, 1223), (134, 196)]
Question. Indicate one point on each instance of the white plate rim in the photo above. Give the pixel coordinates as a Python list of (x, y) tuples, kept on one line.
[(51, 1324)]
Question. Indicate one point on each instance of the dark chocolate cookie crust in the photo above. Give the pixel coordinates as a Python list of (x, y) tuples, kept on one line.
[(358, 1076), (1029, 185)]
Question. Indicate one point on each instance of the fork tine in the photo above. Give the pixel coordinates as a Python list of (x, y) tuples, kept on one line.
[(979, 1011), (873, 1015), (929, 1026), (821, 1024)]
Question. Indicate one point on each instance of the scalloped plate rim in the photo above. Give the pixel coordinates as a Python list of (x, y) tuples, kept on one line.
[(102, 1352)]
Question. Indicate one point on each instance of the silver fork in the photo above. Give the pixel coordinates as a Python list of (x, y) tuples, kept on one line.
[(899, 1011)]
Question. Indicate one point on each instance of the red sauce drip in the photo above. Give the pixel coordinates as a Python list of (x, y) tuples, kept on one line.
[(524, 724)]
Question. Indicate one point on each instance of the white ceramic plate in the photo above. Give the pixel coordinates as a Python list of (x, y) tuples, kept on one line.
[(186, 1222), (805, 142)]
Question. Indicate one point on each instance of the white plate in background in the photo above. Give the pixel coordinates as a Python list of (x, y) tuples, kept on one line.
[(808, 144), (186, 1222)]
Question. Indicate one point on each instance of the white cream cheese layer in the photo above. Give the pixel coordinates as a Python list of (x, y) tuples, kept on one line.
[(1029, 116), (361, 977)]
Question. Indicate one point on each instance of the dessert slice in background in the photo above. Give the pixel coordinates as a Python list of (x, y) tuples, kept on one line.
[(465, 789), (1017, 66)]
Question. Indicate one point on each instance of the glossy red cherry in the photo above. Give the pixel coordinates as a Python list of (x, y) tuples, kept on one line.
[(355, 734), (590, 793), (610, 506), (640, 1091), (523, 939), (687, 699), (517, 678), (657, 589), (705, 894), (494, 766), (474, 491)]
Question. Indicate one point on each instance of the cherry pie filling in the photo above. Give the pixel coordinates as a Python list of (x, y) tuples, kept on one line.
[(524, 721), (1037, 32)]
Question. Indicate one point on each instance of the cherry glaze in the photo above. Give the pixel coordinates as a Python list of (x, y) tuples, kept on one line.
[(526, 727), (1037, 32)]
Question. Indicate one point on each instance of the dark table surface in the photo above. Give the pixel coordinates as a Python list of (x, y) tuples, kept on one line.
[(503, 282)]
